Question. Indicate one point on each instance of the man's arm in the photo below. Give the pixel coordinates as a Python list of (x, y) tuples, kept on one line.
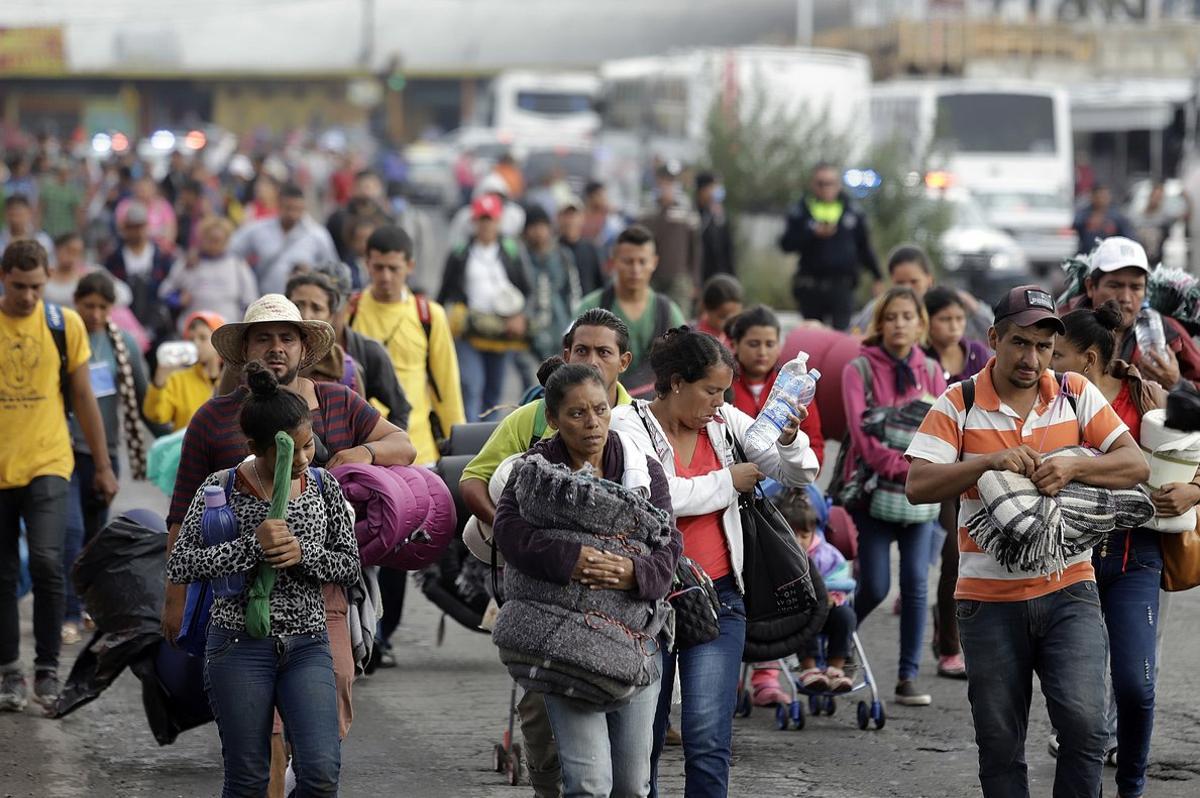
[(1122, 466), (87, 412), (478, 499), (391, 446), (930, 483)]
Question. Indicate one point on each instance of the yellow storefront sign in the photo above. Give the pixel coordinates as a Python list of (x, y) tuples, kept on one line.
[(32, 51)]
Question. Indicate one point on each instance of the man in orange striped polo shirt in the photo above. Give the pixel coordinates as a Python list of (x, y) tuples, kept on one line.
[(1017, 623)]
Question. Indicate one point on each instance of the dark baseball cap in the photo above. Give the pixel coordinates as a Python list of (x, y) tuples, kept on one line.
[(1027, 305)]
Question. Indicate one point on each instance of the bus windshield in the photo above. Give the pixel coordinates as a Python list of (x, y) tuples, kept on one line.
[(554, 103), (996, 122)]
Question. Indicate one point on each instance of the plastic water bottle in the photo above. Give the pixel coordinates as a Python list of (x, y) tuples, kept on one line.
[(1148, 328), (218, 525), (795, 385)]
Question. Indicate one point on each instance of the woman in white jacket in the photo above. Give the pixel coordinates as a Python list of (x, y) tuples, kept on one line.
[(690, 430)]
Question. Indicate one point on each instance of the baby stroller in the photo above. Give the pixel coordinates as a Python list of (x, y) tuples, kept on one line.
[(459, 584), (839, 532)]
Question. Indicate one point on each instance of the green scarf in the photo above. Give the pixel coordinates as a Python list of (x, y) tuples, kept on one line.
[(825, 212), (258, 611)]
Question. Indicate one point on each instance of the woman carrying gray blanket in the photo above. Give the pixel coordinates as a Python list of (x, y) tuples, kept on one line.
[(599, 662)]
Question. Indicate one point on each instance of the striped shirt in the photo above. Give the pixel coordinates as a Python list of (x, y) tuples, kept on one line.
[(215, 441), (992, 426)]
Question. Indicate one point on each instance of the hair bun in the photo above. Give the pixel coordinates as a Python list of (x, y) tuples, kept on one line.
[(1109, 315), (548, 367), (261, 379)]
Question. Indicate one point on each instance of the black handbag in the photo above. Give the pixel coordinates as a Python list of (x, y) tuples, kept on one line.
[(782, 607), (694, 599)]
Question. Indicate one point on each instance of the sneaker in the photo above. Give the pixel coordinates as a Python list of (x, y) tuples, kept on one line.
[(14, 691), (1110, 757), (1052, 746), (386, 658), (70, 633), (46, 688), (673, 736), (839, 682), (908, 695), (896, 606), (952, 667)]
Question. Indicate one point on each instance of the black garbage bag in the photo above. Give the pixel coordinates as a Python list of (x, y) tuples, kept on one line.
[(783, 608), (172, 691), (102, 660), (1183, 408), (121, 574), (456, 586)]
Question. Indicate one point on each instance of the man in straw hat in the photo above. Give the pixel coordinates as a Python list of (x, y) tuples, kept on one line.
[(349, 430)]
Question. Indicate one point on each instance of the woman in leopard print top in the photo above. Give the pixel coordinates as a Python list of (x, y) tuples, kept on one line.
[(247, 678)]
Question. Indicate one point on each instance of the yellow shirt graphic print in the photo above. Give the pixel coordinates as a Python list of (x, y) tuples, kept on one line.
[(33, 422)]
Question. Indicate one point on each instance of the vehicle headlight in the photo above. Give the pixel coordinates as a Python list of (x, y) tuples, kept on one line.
[(1000, 261), (952, 261)]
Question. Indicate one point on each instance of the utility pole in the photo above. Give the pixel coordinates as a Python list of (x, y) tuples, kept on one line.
[(367, 53), (804, 23)]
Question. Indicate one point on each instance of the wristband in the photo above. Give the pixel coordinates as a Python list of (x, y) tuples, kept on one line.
[(370, 450)]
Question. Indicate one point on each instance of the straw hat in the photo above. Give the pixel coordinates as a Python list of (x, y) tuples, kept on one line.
[(273, 308)]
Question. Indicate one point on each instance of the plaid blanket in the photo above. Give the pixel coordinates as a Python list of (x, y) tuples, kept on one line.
[(1025, 530)]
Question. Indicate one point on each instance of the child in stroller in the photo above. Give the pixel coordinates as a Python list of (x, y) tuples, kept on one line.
[(807, 511)]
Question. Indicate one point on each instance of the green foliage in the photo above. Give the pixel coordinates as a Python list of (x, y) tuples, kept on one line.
[(765, 156)]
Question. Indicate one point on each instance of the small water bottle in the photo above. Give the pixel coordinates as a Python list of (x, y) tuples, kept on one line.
[(218, 525), (177, 354), (795, 385), (1148, 328)]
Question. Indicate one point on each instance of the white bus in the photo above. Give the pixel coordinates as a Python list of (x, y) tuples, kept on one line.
[(660, 105), (1007, 142), (543, 108)]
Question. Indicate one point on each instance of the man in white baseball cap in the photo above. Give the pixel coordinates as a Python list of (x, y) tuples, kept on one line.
[(1120, 271)]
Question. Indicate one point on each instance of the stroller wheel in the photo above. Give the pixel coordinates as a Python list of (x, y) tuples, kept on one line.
[(878, 714), (499, 758), (864, 715), (516, 765), (814, 705), (830, 706), (797, 715), (781, 716)]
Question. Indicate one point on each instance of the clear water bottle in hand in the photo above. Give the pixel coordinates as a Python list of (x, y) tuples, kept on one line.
[(1148, 328), (795, 385), (218, 525)]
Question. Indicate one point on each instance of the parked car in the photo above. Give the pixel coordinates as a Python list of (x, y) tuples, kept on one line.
[(977, 256)]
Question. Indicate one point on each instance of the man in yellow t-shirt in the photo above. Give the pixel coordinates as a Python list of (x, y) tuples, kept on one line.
[(36, 461), (426, 364)]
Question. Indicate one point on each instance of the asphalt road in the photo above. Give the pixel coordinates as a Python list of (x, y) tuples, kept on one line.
[(426, 729)]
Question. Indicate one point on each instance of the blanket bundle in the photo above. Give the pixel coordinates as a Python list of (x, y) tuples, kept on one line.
[(598, 646), (1028, 531)]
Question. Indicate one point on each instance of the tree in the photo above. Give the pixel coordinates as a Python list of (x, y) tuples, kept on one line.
[(764, 155)]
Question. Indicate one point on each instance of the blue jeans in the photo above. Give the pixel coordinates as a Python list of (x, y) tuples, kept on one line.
[(246, 679), (708, 678), (1128, 579), (875, 579), (602, 753), (1059, 636), (483, 376), (86, 516), (42, 505)]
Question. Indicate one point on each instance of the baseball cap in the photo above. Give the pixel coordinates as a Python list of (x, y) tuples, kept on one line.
[(1026, 305), (570, 203), (1117, 252), (488, 205)]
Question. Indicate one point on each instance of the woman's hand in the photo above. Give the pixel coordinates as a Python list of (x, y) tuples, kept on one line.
[(609, 571), (746, 476), (588, 557), (286, 554), (1175, 498), (787, 435), (273, 533)]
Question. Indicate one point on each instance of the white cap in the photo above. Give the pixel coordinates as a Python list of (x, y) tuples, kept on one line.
[(1116, 253)]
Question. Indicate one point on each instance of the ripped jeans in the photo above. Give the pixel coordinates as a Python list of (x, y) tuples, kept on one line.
[(1128, 570)]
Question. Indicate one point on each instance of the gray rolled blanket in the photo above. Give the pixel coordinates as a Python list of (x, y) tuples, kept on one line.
[(1025, 530), (552, 637)]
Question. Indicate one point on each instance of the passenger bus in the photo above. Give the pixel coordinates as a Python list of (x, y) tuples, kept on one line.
[(543, 108), (659, 106), (1007, 142)]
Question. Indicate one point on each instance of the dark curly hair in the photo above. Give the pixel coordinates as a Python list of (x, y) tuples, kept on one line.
[(685, 353)]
